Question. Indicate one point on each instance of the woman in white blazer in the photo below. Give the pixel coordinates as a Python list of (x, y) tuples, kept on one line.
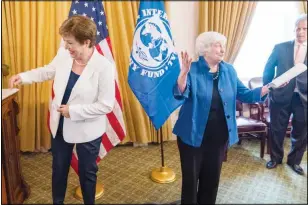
[(84, 93)]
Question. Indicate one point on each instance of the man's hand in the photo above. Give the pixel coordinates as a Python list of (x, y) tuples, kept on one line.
[(286, 83), (64, 110)]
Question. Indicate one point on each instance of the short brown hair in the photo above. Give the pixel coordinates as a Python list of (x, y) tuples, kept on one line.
[(81, 27)]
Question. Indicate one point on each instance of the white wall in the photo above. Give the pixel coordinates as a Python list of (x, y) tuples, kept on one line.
[(183, 19)]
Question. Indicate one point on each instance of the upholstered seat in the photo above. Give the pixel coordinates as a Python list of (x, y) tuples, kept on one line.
[(249, 128), (246, 125)]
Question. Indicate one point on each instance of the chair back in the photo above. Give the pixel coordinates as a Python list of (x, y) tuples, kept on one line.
[(255, 82)]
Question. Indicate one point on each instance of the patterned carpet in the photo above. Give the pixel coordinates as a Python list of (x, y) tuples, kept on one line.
[(125, 172)]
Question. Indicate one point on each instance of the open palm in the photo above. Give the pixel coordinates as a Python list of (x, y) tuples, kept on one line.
[(186, 62)]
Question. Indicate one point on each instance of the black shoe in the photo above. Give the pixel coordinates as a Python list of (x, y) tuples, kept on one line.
[(272, 164), (296, 168)]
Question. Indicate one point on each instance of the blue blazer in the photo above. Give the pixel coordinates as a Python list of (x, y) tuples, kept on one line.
[(197, 98)]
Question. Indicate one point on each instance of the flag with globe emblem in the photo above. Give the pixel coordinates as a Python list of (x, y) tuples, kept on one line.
[(154, 64)]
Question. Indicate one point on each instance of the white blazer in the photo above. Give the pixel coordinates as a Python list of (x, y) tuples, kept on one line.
[(92, 97)]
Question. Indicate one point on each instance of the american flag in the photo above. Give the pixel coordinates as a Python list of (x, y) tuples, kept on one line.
[(115, 129)]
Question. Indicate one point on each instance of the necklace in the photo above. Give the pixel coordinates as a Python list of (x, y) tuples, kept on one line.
[(80, 63), (216, 76)]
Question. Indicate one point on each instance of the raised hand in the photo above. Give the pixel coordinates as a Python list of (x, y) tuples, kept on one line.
[(186, 62), (14, 81)]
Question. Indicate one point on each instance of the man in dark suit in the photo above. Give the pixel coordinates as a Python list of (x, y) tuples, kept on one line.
[(290, 99)]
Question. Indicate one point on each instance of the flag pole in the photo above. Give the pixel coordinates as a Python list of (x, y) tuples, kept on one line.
[(163, 174), (98, 193)]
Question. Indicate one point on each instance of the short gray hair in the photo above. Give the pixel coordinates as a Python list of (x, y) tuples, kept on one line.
[(206, 39), (300, 18)]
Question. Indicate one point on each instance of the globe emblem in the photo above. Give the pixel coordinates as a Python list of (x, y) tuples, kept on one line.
[(152, 38), (152, 45)]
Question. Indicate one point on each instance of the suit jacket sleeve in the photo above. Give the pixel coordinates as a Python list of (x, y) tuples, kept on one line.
[(105, 100), (269, 70), (42, 73)]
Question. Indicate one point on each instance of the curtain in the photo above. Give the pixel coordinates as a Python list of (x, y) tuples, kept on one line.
[(30, 39), (303, 6), (121, 20), (231, 18)]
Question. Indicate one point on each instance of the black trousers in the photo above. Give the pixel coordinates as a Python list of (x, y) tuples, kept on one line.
[(201, 167), (87, 168), (280, 115)]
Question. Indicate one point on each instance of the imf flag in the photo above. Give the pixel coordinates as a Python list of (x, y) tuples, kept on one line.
[(154, 64)]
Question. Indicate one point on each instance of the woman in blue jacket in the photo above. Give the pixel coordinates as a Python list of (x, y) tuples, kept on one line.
[(209, 88)]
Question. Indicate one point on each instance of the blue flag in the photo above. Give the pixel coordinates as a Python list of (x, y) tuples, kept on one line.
[(154, 64)]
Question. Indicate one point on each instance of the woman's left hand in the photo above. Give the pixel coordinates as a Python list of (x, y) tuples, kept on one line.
[(63, 109), (265, 90)]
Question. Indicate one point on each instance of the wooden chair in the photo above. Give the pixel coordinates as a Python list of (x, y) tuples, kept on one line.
[(258, 82), (250, 127)]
